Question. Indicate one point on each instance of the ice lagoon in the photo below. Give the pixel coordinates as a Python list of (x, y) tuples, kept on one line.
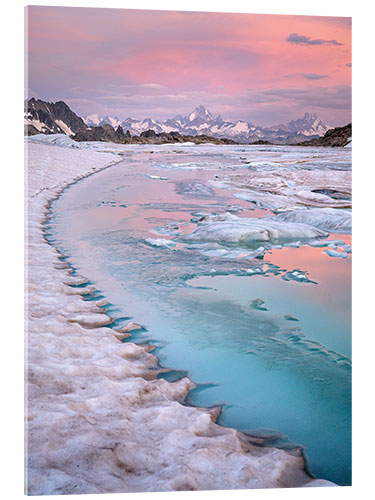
[(237, 262)]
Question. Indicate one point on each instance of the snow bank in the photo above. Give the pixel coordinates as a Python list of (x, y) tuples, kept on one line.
[(98, 419), (59, 140)]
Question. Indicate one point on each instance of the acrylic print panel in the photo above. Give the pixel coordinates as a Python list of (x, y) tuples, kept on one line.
[(188, 251)]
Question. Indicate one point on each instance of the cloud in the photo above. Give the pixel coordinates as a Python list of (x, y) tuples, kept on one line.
[(335, 97), (308, 76), (154, 86), (313, 76), (306, 40)]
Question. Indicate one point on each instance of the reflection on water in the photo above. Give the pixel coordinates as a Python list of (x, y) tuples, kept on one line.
[(273, 348)]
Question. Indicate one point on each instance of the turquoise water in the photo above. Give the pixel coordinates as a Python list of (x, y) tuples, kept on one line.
[(274, 352)]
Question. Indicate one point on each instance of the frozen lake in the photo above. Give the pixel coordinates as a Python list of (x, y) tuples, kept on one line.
[(237, 261)]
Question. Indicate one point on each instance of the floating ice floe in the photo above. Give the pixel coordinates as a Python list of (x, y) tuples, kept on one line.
[(225, 252), (293, 244), (296, 275), (290, 317), (335, 253), (328, 219), (234, 208), (258, 304), (248, 231), (156, 177), (324, 243), (208, 218), (160, 242), (170, 229), (194, 188)]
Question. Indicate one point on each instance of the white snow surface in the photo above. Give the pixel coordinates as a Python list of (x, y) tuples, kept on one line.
[(64, 127), (36, 123), (93, 119), (98, 419)]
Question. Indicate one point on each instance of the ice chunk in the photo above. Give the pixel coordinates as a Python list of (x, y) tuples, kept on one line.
[(171, 229), (157, 177), (234, 208), (290, 317), (324, 243), (218, 218), (294, 244), (193, 189), (335, 253), (160, 242), (328, 219), (297, 275), (226, 252), (258, 304), (251, 231)]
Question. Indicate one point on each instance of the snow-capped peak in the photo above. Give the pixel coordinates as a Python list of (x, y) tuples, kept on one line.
[(93, 119), (202, 121)]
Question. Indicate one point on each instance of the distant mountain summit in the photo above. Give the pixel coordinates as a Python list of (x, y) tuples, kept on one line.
[(96, 121), (51, 118), (308, 125)]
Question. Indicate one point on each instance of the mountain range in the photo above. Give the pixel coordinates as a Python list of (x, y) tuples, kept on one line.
[(202, 122), (45, 117)]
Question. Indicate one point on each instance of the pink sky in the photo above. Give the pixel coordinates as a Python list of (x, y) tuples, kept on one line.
[(265, 69)]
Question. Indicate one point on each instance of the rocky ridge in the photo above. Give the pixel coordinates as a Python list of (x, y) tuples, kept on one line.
[(336, 137), (107, 133), (51, 118)]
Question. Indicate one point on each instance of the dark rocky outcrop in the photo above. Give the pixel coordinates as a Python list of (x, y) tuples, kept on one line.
[(335, 137), (51, 118), (107, 133), (261, 142)]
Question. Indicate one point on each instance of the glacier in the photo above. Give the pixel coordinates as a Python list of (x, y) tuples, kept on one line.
[(99, 419)]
